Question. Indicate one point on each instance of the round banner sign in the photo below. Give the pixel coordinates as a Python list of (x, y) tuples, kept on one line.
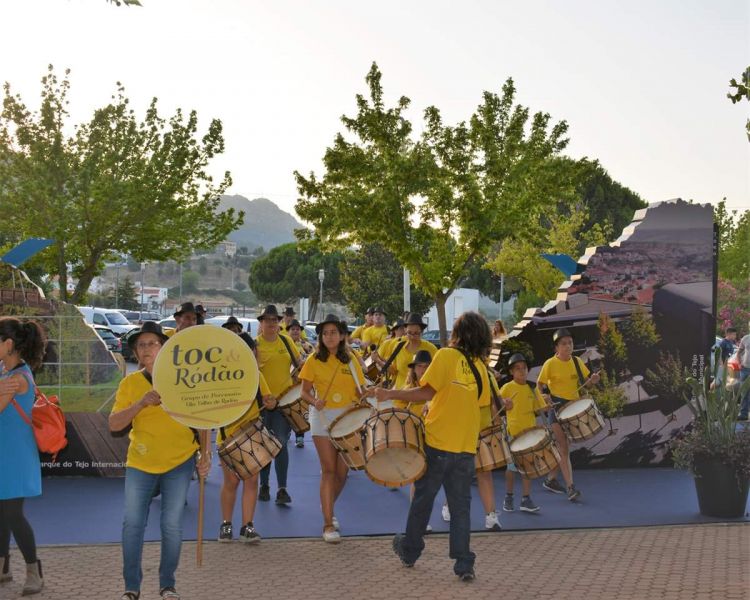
[(207, 377)]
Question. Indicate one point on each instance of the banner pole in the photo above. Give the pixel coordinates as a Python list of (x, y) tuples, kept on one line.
[(203, 437)]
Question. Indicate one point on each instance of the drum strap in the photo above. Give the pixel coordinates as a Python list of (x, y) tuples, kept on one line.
[(289, 349), (147, 377), (392, 357), (581, 380), (355, 377), (495, 396), (474, 370)]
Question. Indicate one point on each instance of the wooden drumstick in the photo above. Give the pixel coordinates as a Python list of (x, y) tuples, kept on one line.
[(502, 409), (585, 383)]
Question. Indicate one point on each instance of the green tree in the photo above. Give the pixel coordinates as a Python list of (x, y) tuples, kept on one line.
[(734, 243), (371, 276), (741, 90), (290, 271), (438, 203), (126, 295), (116, 185), (612, 346), (640, 337), (190, 281)]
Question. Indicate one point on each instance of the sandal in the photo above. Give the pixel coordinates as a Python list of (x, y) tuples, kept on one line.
[(130, 596), (169, 592)]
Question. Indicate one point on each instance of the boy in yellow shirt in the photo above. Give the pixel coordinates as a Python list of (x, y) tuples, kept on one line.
[(527, 404)]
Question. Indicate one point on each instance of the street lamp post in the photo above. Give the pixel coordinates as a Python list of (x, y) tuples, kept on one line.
[(117, 286), (143, 273), (321, 276)]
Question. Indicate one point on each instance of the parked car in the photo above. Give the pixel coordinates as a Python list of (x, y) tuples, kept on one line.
[(110, 318), (114, 344), (312, 337), (127, 353), (136, 317), (249, 325), (432, 335)]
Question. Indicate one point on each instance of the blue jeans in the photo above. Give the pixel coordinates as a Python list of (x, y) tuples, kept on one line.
[(279, 426), (453, 471), (745, 404), (139, 489)]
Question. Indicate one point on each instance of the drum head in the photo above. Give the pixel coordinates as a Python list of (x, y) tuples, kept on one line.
[(577, 407), (350, 421), (394, 467), (528, 439), (291, 395)]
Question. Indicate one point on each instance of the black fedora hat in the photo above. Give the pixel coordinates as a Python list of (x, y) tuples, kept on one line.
[(397, 323), (269, 311), (517, 358), (294, 323), (330, 318), (379, 309), (232, 322), (289, 311), (185, 307), (421, 357), (199, 310), (370, 311), (560, 334), (147, 327), (415, 319)]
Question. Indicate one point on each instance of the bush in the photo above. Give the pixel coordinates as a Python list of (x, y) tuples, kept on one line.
[(609, 397), (640, 337), (668, 379), (612, 347)]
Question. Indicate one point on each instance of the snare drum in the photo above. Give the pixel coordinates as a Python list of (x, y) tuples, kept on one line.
[(492, 449), (295, 408), (249, 449), (394, 447), (346, 433), (534, 453), (580, 419)]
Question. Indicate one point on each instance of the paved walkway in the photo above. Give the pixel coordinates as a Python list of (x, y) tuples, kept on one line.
[(665, 563)]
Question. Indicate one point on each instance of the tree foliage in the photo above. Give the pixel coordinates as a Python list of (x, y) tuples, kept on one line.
[(741, 90), (126, 295), (734, 243), (371, 276), (612, 346), (116, 185), (437, 203), (640, 337), (290, 271)]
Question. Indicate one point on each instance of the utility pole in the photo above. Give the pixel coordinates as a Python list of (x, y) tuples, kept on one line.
[(143, 273), (407, 292), (321, 276), (502, 294)]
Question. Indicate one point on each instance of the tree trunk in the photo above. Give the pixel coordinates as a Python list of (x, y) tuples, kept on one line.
[(84, 281), (440, 305)]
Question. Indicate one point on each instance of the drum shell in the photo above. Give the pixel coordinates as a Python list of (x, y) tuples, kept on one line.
[(394, 447), (537, 460), (492, 449), (350, 446), (582, 425), (297, 412), (249, 449)]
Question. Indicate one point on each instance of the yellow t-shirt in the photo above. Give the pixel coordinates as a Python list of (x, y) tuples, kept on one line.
[(525, 404), (275, 363), (252, 414), (158, 443), (452, 423), (358, 331), (339, 389), (374, 335), (401, 362), (561, 377)]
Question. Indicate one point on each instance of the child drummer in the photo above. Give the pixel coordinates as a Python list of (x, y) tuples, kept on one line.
[(527, 404)]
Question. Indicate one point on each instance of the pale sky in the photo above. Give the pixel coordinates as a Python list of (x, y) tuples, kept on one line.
[(642, 83)]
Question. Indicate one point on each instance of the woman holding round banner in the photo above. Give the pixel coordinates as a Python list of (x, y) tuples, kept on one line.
[(564, 375), (277, 354), (336, 377), (161, 454)]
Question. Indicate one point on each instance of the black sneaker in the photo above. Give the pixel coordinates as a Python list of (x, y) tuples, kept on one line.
[(248, 534), (467, 575), (169, 592), (264, 495), (553, 485), (225, 532), (527, 505), (573, 493), (508, 503), (396, 545), (283, 497), (300, 442)]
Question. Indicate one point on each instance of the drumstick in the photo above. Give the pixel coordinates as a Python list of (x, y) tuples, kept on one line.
[(499, 411), (230, 405), (585, 383)]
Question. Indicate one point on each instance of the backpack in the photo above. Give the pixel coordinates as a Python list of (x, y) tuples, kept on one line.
[(48, 422)]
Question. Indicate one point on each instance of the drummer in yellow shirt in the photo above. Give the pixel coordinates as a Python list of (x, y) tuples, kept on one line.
[(412, 345), (336, 378), (359, 331), (377, 334), (528, 403), (560, 374), (276, 354), (452, 386)]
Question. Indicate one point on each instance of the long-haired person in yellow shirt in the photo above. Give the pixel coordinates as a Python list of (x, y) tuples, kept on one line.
[(336, 378), (453, 384), (161, 454), (564, 375)]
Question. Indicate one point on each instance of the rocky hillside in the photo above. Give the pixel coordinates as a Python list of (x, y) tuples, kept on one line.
[(265, 223)]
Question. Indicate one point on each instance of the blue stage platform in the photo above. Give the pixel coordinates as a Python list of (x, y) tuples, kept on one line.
[(89, 510)]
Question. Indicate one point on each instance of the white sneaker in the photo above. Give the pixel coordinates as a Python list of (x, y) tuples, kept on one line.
[(446, 514), (429, 528), (331, 536), (491, 522), (335, 523)]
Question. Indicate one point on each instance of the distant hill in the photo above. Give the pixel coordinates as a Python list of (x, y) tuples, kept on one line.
[(265, 223)]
